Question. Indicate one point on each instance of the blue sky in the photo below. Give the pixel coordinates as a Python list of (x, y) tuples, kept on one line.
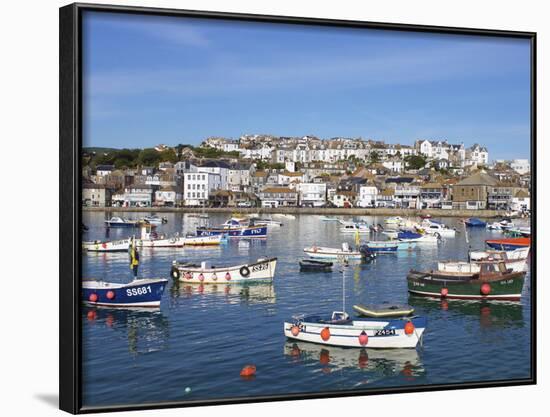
[(156, 79)]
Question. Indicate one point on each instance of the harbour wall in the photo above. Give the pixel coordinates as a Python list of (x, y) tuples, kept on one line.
[(316, 211)]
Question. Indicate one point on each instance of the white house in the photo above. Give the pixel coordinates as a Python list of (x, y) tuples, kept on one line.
[(521, 201), (367, 195), (477, 155), (521, 166), (167, 197), (197, 187), (312, 194)]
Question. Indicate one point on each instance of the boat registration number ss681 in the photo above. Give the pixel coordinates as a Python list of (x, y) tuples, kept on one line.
[(384, 332), (138, 291)]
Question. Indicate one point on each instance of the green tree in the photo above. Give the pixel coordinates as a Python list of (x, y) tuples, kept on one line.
[(168, 155), (415, 161), (149, 157), (374, 157)]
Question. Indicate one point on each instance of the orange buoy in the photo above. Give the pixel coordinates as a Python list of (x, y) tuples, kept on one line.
[(409, 328), (228, 276), (93, 297), (485, 289), (91, 315), (295, 330), (325, 334), (110, 295), (363, 338), (201, 277), (444, 292), (248, 371)]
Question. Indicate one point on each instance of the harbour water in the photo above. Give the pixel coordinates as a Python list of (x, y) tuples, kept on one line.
[(195, 345)]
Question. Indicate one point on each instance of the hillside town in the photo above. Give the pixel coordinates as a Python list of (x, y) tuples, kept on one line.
[(269, 171)]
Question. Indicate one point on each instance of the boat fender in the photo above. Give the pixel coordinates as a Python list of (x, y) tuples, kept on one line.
[(485, 289), (295, 330), (110, 295), (409, 328), (175, 272), (244, 271), (214, 277), (363, 338), (325, 334), (201, 277), (444, 292), (188, 275), (228, 276), (93, 297)]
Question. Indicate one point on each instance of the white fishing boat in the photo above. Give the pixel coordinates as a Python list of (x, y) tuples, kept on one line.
[(263, 270), (266, 222), (489, 255), (286, 215), (432, 227), (150, 239), (339, 329), (121, 222), (106, 246), (329, 219), (154, 219), (474, 267), (345, 252), (203, 240), (351, 227), (393, 221)]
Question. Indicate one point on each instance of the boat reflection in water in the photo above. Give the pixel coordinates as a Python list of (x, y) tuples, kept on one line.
[(503, 314), (381, 363), (146, 329), (251, 293)]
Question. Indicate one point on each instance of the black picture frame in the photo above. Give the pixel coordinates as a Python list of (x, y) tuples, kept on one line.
[(70, 127)]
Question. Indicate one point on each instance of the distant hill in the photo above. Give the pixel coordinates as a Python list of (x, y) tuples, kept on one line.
[(98, 150)]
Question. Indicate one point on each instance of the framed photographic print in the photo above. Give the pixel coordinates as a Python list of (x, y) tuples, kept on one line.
[(258, 208)]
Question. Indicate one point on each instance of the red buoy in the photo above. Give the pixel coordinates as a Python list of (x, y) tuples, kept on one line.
[(485, 289), (363, 338), (444, 292), (325, 334), (188, 275), (110, 294), (409, 328), (93, 297), (295, 330), (201, 277), (248, 371), (228, 276)]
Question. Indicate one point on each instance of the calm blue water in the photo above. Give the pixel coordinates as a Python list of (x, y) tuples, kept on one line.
[(195, 345)]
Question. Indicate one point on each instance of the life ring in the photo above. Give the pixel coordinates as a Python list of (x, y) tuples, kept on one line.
[(244, 271), (175, 272)]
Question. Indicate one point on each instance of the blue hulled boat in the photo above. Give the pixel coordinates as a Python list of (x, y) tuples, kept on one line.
[(138, 293), (474, 222), (379, 247), (233, 228)]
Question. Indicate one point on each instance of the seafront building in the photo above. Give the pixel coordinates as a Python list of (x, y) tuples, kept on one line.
[(270, 171)]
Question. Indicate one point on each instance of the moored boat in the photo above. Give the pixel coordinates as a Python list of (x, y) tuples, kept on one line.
[(266, 222), (345, 252), (106, 246), (384, 310), (340, 330), (491, 254), (509, 243), (315, 265), (350, 227), (492, 282), (121, 222), (393, 221), (474, 222), (381, 246), (154, 219), (138, 293), (432, 227), (234, 228), (263, 270), (203, 240), (329, 219)]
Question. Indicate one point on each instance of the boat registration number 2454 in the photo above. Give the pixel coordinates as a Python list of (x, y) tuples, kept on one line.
[(384, 332), (130, 292)]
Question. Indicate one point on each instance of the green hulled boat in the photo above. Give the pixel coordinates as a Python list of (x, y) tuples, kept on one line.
[(492, 282)]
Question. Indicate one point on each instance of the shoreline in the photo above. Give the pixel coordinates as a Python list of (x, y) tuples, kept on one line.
[(311, 211)]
